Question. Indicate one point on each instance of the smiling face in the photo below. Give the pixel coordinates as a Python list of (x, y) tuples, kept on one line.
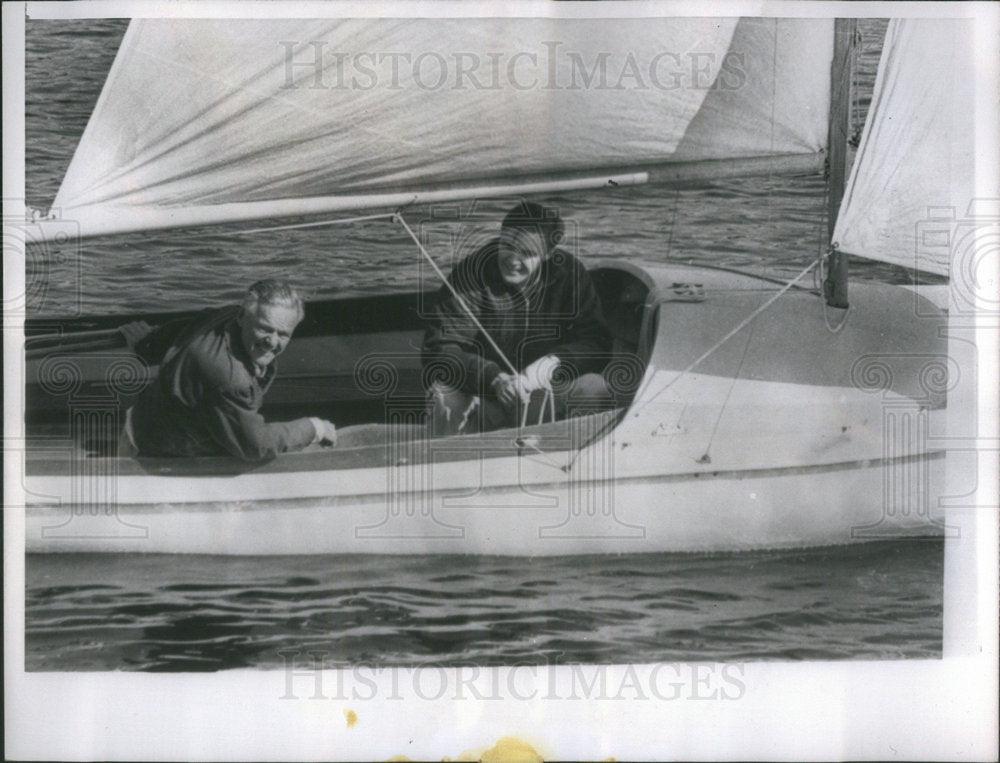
[(267, 330), (520, 255)]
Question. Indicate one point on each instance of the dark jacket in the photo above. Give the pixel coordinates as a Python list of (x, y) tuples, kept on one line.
[(559, 315), (206, 397)]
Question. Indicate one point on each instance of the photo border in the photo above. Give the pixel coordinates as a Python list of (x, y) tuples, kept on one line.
[(923, 709)]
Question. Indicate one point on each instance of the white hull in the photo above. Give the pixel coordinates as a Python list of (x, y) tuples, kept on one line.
[(775, 442), (739, 511)]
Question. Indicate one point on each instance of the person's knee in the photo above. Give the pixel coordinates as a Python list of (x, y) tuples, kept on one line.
[(443, 394), (591, 387), (450, 411), (584, 395), (126, 448)]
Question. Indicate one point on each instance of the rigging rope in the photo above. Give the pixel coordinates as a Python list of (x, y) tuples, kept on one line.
[(549, 400), (638, 408), (543, 457), (399, 218), (746, 321), (774, 98), (706, 459), (673, 221)]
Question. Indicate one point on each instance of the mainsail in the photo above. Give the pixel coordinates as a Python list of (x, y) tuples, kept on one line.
[(914, 174), (204, 121)]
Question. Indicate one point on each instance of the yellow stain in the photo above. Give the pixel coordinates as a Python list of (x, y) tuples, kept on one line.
[(511, 750), (351, 716), (397, 759), (506, 750)]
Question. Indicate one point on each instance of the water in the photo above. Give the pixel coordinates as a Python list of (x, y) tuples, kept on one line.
[(96, 612), (108, 611)]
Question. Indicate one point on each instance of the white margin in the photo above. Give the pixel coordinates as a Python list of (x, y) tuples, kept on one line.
[(943, 709)]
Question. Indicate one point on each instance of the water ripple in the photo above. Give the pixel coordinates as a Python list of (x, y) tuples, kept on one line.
[(218, 613)]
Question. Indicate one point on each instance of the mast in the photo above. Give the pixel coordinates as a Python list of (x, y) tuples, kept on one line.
[(844, 30)]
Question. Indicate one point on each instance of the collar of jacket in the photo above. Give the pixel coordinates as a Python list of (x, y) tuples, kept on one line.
[(235, 339)]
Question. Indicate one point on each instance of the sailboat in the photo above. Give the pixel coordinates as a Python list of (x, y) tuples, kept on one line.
[(757, 413)]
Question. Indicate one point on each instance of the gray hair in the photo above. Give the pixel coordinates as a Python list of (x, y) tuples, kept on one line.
[(272, 291)]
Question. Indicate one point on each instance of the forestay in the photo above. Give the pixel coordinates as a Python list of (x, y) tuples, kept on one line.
[(204, 121), (915, 166)]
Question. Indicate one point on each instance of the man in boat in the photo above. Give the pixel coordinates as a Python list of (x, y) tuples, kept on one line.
[(214, 373), (517, 333)]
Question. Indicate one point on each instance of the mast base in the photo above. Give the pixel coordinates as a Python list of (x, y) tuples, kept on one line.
[(835, 285)]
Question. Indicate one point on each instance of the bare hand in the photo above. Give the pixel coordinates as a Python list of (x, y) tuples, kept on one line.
[(135, 332), (510, 389), (505, 385)]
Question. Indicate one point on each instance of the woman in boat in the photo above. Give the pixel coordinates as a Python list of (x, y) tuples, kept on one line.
[(214, 373), (516, 331)]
